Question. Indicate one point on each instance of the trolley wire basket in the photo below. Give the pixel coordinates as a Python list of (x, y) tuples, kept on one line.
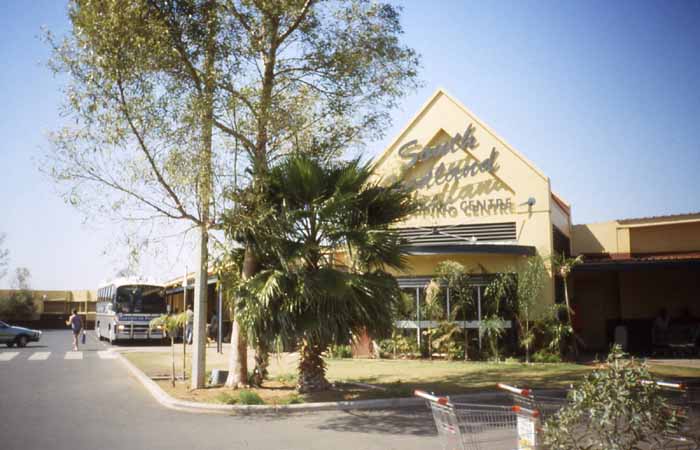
[(682, 400), (546, 405), (468, 426)]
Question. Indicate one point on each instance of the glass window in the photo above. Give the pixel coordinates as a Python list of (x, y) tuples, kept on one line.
[(140, 299)]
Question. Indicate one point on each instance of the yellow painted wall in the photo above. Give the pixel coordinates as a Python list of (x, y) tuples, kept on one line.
[(678, 237), (641, 236), (424, 265), (598, 238), (513, 180)]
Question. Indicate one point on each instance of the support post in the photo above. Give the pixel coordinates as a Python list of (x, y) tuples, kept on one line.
[(220, 319), (418, 317)]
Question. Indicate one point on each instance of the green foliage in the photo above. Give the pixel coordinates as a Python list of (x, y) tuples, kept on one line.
[(300, 291), (293, 399), (171, 323), (227, 398), (614, 409), (399, 346), (240, 397), (339, 351), (454, 276), (556, 331), (492, 330), (546, 356), (447, 339), (19, 305), (286, 378), (246, 397), (522, 287)]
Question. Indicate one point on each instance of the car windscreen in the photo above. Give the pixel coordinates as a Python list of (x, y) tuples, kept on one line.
[(140, 299)]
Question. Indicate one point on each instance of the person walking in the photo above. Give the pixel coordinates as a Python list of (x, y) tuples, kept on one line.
[(76, 325), (190, 324)]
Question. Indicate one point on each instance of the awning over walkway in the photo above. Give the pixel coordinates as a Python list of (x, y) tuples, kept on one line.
[(602, 263)]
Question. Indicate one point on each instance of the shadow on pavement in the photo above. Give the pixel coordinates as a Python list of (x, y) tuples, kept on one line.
[(405, 421)]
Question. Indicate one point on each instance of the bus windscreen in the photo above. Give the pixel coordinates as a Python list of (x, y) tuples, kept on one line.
[(140, 299)]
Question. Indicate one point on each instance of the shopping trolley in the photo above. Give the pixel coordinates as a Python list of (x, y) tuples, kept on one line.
[(546, 405), (680, 398), (468, 426), (684, 401)]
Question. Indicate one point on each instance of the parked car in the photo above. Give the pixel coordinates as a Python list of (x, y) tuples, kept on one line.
[(10, 335)]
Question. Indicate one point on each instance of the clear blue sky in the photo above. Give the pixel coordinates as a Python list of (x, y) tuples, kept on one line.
[(604, 97)]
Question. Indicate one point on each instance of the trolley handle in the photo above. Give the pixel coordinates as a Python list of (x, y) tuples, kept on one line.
[(430, 397), (666, 384), (515, 390)]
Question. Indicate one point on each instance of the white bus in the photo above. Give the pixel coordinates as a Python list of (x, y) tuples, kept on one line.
[(125, 306)]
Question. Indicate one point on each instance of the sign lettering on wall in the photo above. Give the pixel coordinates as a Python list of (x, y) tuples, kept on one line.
[(457, 194)]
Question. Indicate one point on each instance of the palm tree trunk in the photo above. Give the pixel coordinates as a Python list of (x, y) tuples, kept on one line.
[(574, 342), (262, 360), (312, 368), (238, 356)]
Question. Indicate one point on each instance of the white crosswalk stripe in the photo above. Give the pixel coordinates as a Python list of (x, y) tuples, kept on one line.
[(39, 356), (7, 356), (106, 354), (74, 355)]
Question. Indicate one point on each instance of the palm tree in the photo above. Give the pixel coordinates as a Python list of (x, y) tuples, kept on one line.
[(327, 243), (563, 265), (170, 324)]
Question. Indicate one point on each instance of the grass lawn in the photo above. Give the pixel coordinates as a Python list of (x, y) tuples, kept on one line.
[(393, 378)]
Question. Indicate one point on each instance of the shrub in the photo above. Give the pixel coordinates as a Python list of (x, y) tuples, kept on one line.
[(227, 398), (249, 398), (292, 400), (399, 345), (448, 340), (613, 410), (286, 378), (340, 351), (545, 356)]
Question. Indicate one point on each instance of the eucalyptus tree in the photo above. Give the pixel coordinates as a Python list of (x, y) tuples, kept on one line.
[(327, 243), (524, 285), (173, 101)]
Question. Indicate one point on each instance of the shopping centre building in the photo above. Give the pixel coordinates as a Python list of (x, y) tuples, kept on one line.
[(486, 206)]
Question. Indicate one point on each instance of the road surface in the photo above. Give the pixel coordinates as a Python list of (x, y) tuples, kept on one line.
[(54, 399)]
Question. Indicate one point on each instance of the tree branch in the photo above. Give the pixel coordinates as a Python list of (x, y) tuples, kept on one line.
[(149, 157), (297, 22)]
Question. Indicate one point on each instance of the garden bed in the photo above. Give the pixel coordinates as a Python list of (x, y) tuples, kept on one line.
[(388, 378)]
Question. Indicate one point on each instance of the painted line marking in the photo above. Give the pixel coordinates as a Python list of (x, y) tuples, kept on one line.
[(106, 354), (39, 356), (6, 356), (74, 355)]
